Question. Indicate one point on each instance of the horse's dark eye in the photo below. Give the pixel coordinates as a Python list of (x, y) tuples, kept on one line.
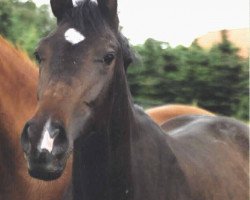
[(37, 57), (108, 58)]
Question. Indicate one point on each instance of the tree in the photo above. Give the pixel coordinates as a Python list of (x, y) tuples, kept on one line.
[(216, 80), (23, 23)]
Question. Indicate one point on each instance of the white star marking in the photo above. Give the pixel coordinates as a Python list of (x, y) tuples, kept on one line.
[(73, 36)]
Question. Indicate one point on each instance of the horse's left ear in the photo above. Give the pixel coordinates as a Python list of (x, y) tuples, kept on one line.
[(109, 10), (59, 7)]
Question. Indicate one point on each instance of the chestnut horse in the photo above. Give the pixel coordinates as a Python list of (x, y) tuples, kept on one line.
[(85, 107), (18, 82), (163, 113)]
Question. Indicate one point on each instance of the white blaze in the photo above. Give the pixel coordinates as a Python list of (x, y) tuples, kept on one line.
[(47, 141), (73, 36), (75, 2), (95, 1)]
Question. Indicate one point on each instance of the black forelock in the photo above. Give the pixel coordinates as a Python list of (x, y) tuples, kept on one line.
[(88, 19)]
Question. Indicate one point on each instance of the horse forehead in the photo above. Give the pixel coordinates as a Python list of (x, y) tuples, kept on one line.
[(75, 37), (71, 34)]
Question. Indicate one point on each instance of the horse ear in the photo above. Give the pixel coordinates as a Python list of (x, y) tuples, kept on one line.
[(109, 9), (59, 7)]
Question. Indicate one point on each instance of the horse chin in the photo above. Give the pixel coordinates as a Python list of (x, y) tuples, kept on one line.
[(45, 175), (46, 172)]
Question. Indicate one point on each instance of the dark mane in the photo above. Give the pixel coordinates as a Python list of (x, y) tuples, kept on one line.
[(87, 18)]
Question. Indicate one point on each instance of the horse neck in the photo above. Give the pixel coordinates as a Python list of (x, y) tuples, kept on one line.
[(155, 170), (127, 156), (18, 82), (101, 166), (133, 161)]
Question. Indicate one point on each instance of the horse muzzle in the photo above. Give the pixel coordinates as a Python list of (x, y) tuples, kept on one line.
[(46, 148), (44, 166)]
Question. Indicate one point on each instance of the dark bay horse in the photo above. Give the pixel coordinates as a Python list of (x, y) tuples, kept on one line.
[(163, 113), (21, 73), (85, 107), (18, 83)]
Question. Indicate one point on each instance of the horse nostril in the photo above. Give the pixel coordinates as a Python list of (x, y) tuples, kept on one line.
[(25, 138), (54, 133), (60, 140)]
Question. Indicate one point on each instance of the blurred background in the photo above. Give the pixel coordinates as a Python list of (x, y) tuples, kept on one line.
[(189, 52)]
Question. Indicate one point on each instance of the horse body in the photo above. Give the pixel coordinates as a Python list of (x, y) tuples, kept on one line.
[(14, 93), (199, 157), (163, 113), (213, 154), (85, 106), (18, 83)]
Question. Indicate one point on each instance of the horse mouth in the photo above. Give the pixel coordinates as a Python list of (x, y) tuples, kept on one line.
[(46, 175), (46, 171)]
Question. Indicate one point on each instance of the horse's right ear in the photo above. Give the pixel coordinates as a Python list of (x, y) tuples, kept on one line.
[(59, 7), (109, 9)]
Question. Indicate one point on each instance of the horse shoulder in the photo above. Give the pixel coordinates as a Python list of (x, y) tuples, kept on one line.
[(156, 170)]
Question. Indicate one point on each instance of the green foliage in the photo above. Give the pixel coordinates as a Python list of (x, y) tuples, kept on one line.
[(23, 23), (216, 80)]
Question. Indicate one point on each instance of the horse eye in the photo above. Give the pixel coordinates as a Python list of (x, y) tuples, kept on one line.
[(108, 58), (37, 57)]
